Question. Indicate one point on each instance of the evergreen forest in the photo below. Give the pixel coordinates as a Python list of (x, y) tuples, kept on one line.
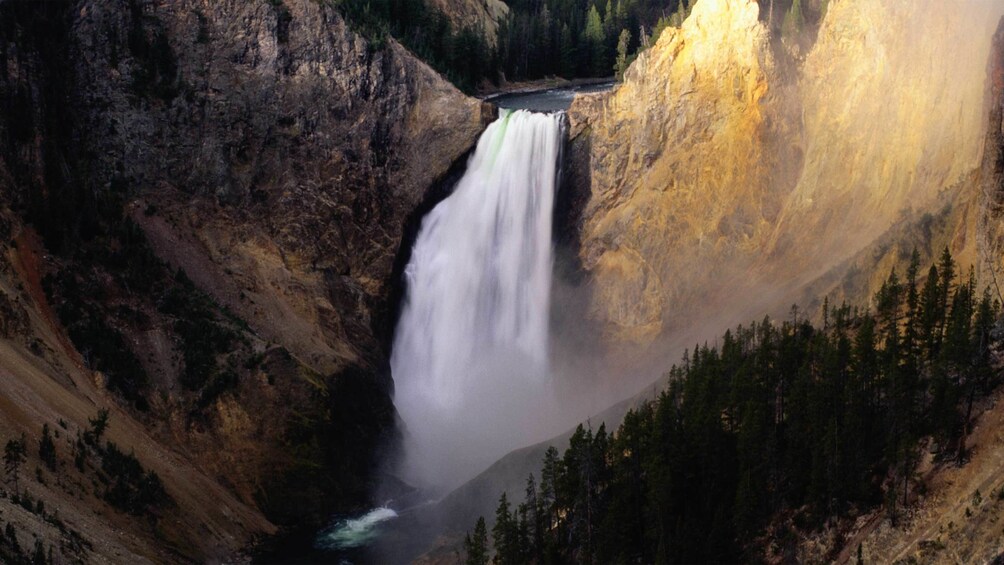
[(779, 426), (538, 38)]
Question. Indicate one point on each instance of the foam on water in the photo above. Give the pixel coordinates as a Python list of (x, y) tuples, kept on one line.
[(352, 533)]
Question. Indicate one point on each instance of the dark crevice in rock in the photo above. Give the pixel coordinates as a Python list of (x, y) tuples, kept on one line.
[(385, 324), (38, 145), (569, 204)]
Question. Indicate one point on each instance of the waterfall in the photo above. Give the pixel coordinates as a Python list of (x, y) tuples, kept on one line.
[(470, 352)]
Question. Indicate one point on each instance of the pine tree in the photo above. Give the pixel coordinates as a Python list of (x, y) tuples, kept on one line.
[(11, 534), (535, 520), (930, 314), (476, 547), (47, 448), (14, 456), (781, 417), (609, 18), (946, 266), (98, 426), (794, 21), (503, 532), (38, 556), (550, 477), (567, 53), (622, 58), (594, 38), (912, 328)]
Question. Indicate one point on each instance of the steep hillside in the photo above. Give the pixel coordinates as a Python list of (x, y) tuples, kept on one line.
[(728, 177), (219, 193), (45, 381), (956, 518), (754, 171), (483, 15)]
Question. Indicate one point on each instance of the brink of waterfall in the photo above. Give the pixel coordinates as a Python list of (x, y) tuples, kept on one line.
[(470, 357)]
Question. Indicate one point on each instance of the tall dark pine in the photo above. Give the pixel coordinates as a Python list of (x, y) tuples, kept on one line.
[(476, 546), (14, 455)]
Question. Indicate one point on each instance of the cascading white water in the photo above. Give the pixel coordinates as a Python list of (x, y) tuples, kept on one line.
[(470, 353), (349, 533)]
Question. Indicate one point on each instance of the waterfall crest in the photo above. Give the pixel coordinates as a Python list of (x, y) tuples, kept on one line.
[(471, 347)]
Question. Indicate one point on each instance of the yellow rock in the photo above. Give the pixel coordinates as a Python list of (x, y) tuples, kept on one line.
[(727, 174)]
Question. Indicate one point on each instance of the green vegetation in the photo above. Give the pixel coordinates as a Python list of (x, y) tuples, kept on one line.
[(14, 455), (621, 63), (203, 338), (476, 547), (579, 38), (463, 55), (97, 318), (102, 345), (539, 38), (777, 421), (119, 246), (130, 487), (98, 424), (794, 21)]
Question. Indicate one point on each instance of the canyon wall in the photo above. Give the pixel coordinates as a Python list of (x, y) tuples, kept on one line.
[(237, 177), (729, 171), (481, 15)]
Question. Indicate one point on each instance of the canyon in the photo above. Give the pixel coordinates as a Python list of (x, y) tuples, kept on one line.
[(263, 169)]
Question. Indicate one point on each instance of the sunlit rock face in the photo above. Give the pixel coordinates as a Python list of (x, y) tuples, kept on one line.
[(726, 173), (991, 221), (678, 173), (893, 100)]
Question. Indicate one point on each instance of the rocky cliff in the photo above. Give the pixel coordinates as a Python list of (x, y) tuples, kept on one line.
[(281, 120), (991, 220), (220, 191), (728, 171), (678, 163), (482, 15)]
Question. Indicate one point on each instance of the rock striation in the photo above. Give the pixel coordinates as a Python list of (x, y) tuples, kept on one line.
[(728, 171), (480, 15), (271, 155)]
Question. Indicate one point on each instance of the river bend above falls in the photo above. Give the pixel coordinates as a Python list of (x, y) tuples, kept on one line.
[(556, 99)]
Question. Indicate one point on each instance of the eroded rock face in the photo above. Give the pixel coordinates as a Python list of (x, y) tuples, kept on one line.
[(271, 154), (482, 15), (893, 99), (992, 172), (277, 144), (679, 165), (723, 179)]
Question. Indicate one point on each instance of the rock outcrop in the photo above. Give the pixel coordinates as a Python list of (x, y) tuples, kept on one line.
[(273, 157), (480, 15), (727, 173), (679, 166), (284, 147), (991, 220)]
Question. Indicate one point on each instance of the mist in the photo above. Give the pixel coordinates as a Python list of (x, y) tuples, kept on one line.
[(818, 223), (470, 357)]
